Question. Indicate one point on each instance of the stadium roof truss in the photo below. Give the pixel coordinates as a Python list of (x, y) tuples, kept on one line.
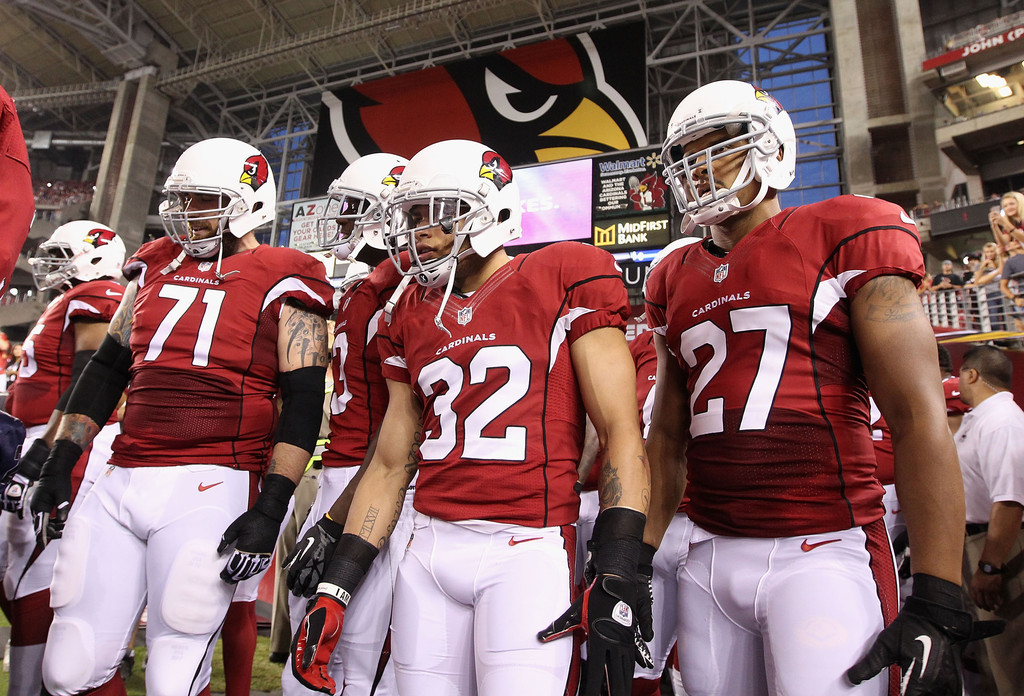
[(255, 69)]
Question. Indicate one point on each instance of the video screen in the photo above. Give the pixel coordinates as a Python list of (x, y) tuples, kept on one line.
[(556, 201)]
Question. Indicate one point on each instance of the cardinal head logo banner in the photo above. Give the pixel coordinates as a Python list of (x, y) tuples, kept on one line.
[(570, 97)]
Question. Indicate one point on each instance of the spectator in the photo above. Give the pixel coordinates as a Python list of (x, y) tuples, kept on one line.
[(986, 302), (1005, 221), (925, 285), (990, 443), (1010, 286), (947, 280)]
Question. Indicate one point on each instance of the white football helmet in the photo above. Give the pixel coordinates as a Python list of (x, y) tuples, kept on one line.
[(468, 191), (355, 204), (755, 124), (235, 171), (80, 250)]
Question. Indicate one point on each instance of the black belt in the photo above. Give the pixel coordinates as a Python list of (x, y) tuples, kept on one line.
[(972, 528)]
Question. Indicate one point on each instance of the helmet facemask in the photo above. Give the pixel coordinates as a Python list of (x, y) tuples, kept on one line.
[(347, 218), (700, 195), (54, 265), (178, 218), (455, 212)]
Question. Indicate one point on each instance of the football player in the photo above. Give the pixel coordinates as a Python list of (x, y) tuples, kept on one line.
[(768, 333), (352, 227), (17, 205), (83, 259), (490, 362), (212, 328)]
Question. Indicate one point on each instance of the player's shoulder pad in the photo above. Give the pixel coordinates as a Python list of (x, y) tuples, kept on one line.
[(572, 259), (286, 261), (153, 254), (853, 212)]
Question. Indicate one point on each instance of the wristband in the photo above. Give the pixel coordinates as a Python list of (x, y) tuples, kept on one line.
[(31, 463), (63, 456), (989, 569), (619, 532), (274, 496), (352, 559), (335, 529)]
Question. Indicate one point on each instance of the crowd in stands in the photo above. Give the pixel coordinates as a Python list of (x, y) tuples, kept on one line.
[(995, 273), (61, 193)]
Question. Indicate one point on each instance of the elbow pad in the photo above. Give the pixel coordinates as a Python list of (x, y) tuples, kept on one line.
[(302, 396), (102, 382)]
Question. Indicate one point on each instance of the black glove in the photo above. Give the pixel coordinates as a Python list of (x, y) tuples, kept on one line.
[(645, 592), (30, 466), (605, 610), (925, 640), (306, 562), (255, 532), (52, 498)]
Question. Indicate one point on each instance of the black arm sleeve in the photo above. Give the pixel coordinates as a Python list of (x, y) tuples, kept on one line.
[(302, 396), (82, 358), (102, 382)]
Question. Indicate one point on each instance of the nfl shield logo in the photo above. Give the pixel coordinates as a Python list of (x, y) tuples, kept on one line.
[(465, 316), (205, 266), (721, 272)]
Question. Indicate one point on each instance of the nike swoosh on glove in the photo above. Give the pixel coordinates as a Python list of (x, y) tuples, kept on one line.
[(926, 639), (604, 615), (254, 533), (307, 561), (315, 641)]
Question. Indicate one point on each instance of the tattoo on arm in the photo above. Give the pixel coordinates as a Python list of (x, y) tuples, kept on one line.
[(307, 338), (78, 428), (610, 486), (892, 299), (368, 523), (271, 467), (121, 325)]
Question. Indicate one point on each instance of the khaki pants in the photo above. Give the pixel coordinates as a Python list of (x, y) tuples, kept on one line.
[(1001, 658)]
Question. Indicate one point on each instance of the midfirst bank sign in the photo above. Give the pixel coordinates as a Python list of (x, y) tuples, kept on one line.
[(631, 233)]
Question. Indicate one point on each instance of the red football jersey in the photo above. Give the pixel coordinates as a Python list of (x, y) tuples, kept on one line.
[(779, 441), (881, 439), (955, 406), (360, 394), (205, 364), (49, 349), (17, 202), (503, 418), (645, 358)]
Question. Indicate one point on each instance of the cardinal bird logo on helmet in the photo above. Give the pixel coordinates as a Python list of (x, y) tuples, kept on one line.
[(394, 176), (255, 172), (496, 169), (100, 237)]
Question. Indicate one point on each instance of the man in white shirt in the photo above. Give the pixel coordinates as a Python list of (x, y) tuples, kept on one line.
[(990, 443)]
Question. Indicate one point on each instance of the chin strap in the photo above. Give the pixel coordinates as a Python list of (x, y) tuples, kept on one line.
[(173, 265), (389, 306), (444, 300)]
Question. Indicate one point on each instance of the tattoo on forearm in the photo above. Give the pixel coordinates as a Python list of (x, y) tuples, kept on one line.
[(121, 324), (369, 522), (307, 339), (78, 428), (610, 486), (272, 467), (413, 462), (892, 299)]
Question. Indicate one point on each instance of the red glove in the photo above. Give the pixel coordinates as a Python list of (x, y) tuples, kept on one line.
[(317, 636)]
